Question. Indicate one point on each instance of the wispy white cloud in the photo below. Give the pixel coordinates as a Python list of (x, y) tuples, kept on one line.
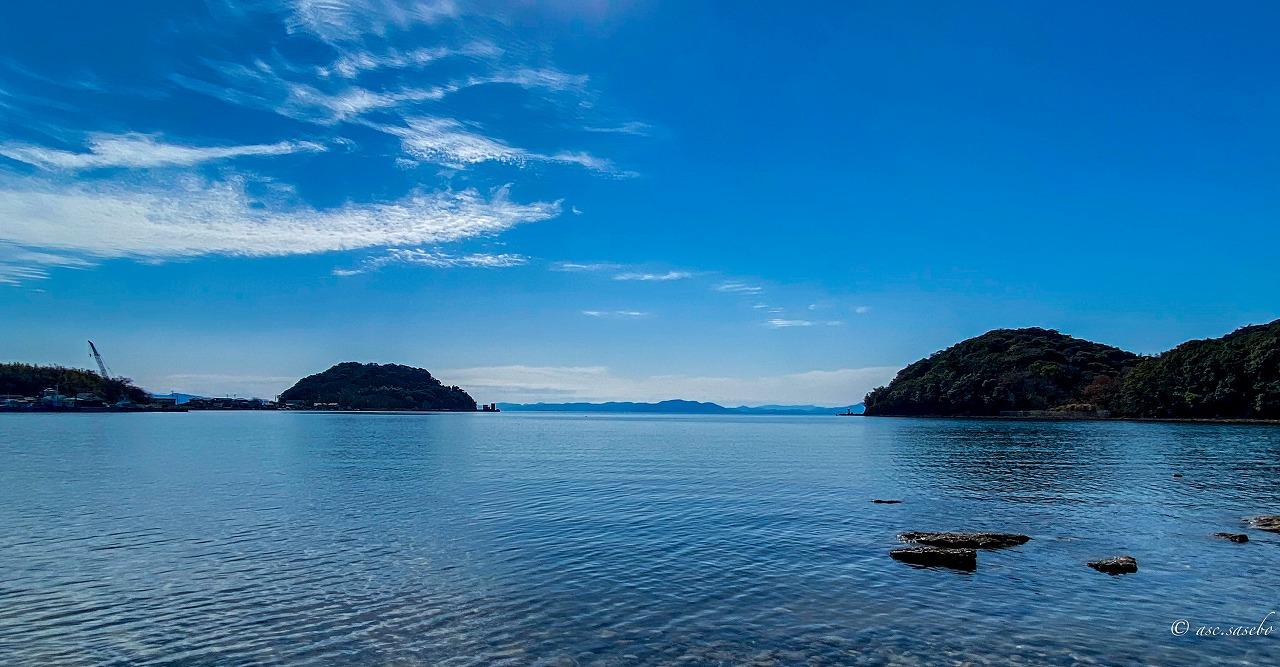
[(778, 323), (191, 217), (279, 89), (618, 314), (631, 127), (734, 287), (623, 272), (545, 78), (584, 267), (260, 87), (451, 143), (582, 159), (140, 216), (862, 310), (436, 258), (439, 259), (448, 141), (21, 265), (329, 94), (142, 151), (340, 21), (352, 64), (310, 103), (653, 277), (836, 387)]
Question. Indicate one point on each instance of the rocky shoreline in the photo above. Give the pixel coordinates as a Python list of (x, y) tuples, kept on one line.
[(958, 550)]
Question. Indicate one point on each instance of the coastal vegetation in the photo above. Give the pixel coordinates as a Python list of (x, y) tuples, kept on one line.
[(1015, 371), (1237, 375), (29, 380), (1003, 370), (356, 386)]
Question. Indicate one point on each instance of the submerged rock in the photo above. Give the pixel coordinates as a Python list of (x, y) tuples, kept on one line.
[(1238, 538), (956, 559), (878, 501), (1269, 522), (1115, 565), (965, 540)]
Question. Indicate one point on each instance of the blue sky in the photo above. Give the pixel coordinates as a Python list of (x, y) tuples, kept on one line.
[(737, 202)]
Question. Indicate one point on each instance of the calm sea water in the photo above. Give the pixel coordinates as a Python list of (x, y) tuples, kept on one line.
[(278, 538)]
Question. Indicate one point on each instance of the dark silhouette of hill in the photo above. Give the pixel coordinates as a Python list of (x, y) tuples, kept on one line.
[(1003, 370), (356, 386)]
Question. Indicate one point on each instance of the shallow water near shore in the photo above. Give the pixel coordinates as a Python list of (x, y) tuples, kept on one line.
[(286, 538)]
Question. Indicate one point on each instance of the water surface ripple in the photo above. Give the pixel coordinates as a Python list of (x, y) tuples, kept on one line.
[(545, 539)]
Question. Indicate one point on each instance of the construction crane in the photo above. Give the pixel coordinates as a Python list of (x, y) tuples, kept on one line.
[(102, 366)]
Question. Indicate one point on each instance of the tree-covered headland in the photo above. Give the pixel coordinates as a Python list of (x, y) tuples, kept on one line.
[(1236, 376)]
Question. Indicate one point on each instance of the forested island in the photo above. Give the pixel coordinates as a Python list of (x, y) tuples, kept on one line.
[(1036, 372), (356, 386)]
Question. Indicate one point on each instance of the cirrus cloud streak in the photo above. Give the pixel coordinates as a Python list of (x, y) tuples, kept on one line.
[(653, 277), (191, 217), (137, 150), (437, 259)]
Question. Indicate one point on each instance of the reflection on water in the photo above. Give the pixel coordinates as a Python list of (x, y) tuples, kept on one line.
[(277, 538)]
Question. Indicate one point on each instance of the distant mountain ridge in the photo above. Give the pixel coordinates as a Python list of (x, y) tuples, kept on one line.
[(678, 407)]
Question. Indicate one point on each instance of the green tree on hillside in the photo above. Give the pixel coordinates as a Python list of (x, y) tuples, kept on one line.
[(30, 380)]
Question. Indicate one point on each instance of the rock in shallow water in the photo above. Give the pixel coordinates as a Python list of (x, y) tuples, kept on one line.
[(956, 559), (1269, 522), (1115, 565), (1238, 538), (965, 540)]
